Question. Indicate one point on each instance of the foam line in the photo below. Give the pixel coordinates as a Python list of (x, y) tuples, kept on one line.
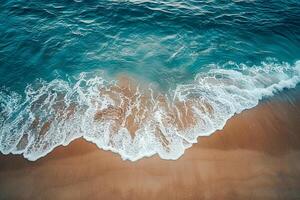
[(130, 120)]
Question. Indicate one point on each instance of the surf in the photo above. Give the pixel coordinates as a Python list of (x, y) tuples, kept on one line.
[(132, 119)]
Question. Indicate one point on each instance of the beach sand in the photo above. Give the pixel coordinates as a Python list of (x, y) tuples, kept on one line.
[(255, 156)]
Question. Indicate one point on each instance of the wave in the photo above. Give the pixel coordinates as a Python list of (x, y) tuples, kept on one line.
[(132, 119)]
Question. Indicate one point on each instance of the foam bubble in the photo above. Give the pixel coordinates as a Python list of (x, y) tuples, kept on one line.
[(132, 120)]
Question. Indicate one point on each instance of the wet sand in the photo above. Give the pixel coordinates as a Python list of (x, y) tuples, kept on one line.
[(255, 156)]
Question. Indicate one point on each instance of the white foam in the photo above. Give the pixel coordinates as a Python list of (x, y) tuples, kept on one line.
[(57, 112)]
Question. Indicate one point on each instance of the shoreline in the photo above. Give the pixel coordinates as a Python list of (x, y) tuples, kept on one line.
[(134, 120), (255, 156)]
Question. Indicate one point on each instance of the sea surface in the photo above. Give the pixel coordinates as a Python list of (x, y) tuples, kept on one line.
[(138, 77)]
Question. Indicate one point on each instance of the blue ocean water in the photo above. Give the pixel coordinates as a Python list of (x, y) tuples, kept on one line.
[(214, 58)]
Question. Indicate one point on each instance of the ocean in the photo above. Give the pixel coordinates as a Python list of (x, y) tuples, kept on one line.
[(138, 77)]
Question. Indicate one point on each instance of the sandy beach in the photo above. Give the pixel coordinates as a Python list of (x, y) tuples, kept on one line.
[(150, 100), (255, 156)]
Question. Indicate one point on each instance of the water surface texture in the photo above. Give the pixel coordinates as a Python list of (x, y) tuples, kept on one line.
[(138, 77)]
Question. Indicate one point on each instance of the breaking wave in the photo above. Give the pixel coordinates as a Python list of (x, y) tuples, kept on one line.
[(131, 119)]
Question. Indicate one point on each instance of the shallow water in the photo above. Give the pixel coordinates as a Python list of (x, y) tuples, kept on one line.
[(138, 77)]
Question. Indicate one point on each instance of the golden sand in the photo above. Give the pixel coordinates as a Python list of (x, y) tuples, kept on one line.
[(255, 156)]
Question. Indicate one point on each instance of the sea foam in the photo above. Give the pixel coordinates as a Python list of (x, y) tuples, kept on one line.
[(132, 120)]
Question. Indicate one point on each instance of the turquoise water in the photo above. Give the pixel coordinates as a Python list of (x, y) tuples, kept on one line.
[(228, 53)]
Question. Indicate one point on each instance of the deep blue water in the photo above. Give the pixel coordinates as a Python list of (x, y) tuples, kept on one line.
[(159, 40), (168, 43)]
